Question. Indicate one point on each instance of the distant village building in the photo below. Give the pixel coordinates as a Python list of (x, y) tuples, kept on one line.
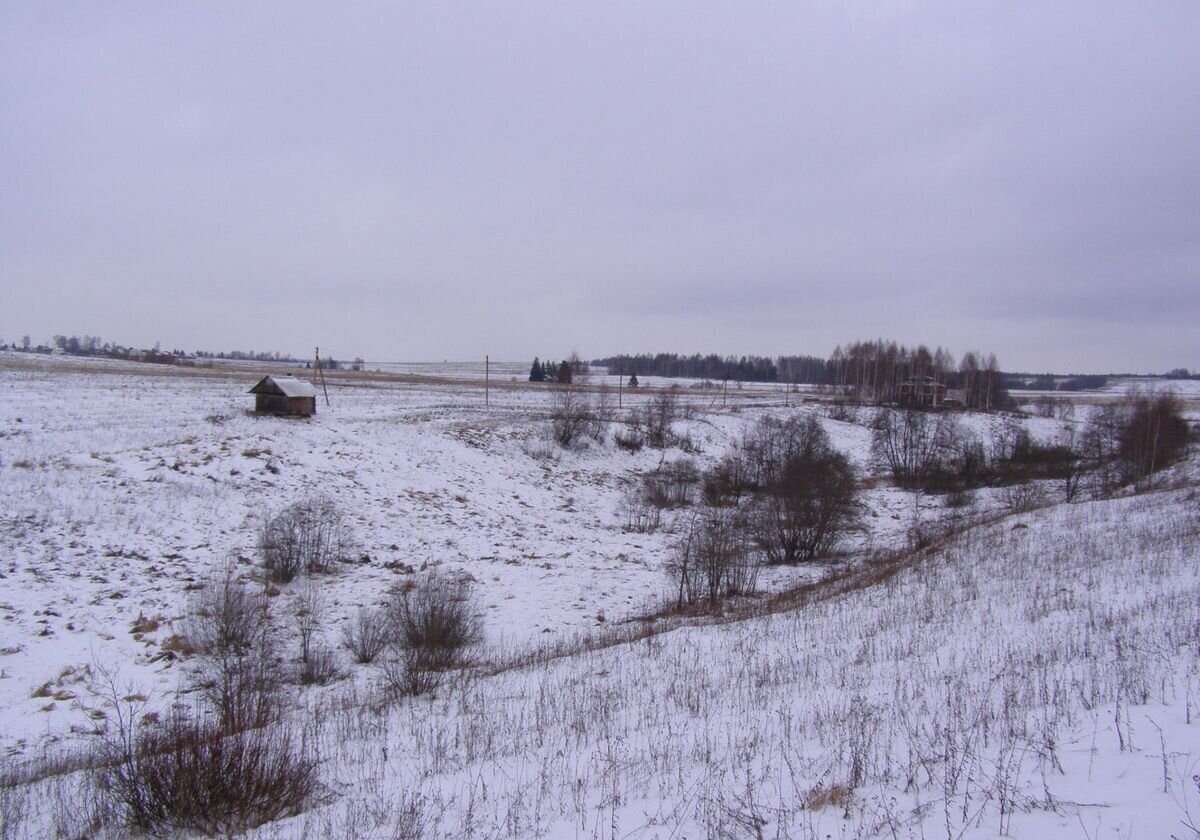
[(284, 396), (921, 391)]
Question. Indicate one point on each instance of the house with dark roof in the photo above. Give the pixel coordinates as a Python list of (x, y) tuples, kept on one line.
[(284, 396)]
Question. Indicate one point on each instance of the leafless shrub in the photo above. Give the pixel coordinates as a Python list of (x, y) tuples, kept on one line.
[(959, 498), (638, 514), (13, 806), (657, 419), (540, 450), (305, 538), (672, 485), (317, 664), (1130, 441), (631, 439), (766, 448), (1100, 447), (189, 774), (226, 613), (1045, 406), (570, 415), (437, 613), (809, 509), (724, 484), (912, 444), (1018, 498), (843, 412), (411, 819), (433, 627), (712, 560), (1154, 433), (366, 635), (320, 668), (603, 413), (309, 616), (228, 625), (409, 671)]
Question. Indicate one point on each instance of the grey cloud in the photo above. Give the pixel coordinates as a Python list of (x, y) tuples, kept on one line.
[(424, 181)]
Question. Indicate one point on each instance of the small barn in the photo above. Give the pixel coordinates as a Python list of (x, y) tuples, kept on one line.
[(924, 391), (284, 396)]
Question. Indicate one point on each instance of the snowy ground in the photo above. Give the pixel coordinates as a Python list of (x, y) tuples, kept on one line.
[(123, 486)]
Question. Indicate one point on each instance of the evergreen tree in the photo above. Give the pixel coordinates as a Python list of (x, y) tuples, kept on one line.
[(633, 383), (564, 373), (537, 373)]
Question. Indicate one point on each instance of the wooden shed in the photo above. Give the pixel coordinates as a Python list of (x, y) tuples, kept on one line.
[(284, 396)]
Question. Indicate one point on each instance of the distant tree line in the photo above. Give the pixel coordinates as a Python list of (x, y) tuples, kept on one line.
[(868, 371), (249, 355), (94, 345), (1051, 382), (797, 369)]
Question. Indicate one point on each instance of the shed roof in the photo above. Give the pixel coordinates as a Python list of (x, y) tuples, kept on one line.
[(288, 386)]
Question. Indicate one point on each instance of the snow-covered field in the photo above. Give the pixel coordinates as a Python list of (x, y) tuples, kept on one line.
[(1014, 680)]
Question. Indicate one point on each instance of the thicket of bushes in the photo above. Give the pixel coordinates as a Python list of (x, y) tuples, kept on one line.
[(1124, 443), (784, 494)]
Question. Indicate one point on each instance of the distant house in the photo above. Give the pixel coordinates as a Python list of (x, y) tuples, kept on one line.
[(284, 395), (921, 391)]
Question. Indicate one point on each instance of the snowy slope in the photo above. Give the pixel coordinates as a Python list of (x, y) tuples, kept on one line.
[(991, 688)]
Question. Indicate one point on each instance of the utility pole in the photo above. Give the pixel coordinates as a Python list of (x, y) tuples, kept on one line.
[(487, 364), (620, 385), (318, 372)]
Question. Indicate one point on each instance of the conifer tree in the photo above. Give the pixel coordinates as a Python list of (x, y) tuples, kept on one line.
[(537, 373), (564, 373)]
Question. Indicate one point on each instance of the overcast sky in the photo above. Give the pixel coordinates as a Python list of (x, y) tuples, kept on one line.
[(418, 181)]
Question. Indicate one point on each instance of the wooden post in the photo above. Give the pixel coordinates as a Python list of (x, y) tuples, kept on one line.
[(486, 377), (620, 384)]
